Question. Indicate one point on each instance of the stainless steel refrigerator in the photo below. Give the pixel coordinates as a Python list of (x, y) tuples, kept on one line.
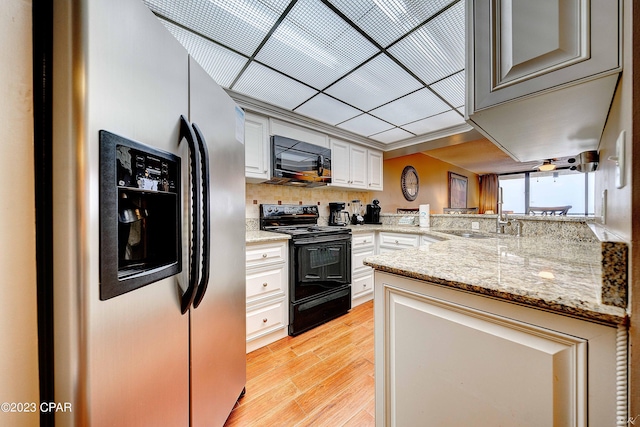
[(135, 359)]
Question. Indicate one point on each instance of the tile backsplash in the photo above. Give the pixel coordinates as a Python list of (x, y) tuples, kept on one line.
[(257, 194)]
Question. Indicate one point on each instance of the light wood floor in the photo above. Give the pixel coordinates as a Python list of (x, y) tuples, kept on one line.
[(323, 377)]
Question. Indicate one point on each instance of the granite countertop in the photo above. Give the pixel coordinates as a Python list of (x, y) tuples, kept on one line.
[(563, 277), (260, 236)]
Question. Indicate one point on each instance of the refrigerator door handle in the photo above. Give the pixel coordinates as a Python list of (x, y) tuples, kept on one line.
[(186, 297), (206, 218)]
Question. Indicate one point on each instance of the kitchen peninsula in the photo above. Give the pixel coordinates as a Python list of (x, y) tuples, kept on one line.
[(523, 331)]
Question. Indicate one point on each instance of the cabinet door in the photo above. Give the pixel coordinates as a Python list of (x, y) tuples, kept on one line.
[(257, 149), (374, 170), (501, 371), (340, 163), (571, 40), (358, 169)]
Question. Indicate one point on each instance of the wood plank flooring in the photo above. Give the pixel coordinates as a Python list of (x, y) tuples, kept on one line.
[(323, 377)]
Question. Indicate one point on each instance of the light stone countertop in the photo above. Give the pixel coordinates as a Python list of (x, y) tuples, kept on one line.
[(563, 277), (260, 236)]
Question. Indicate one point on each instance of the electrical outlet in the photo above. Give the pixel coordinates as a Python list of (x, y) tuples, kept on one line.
[(475, 225)]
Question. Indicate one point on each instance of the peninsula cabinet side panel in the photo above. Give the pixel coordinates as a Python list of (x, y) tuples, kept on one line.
[(447, 357)]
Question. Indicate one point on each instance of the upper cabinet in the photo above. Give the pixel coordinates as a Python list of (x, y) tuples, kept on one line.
[(541, 74), (354, 166), (374, 168), (257, 148)]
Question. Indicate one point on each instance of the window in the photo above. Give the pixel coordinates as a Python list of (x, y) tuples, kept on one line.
[(547, 189)]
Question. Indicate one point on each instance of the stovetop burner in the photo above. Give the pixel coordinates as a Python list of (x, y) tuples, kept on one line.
[(296, 220)]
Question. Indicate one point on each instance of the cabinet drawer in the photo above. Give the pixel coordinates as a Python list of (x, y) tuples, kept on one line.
[(362, 285), (399, 241), (266, 319), (266, 283), (362, 240), (356, 260), (266, 254)]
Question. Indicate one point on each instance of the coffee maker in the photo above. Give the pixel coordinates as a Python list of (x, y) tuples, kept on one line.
[(372, 216), (337, 214)]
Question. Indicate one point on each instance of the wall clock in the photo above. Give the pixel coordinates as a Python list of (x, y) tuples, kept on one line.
[(409, 183)]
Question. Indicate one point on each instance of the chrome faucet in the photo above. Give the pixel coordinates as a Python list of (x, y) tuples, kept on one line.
[(502, 219)]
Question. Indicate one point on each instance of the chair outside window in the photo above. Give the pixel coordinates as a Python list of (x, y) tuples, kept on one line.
[(549, 210)]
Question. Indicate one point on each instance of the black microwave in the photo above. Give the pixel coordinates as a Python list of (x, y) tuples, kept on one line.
[(299, 163)]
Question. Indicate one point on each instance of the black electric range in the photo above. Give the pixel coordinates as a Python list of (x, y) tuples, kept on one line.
[(319, 264)]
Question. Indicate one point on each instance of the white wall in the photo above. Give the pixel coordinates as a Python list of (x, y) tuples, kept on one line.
[(18, 329)]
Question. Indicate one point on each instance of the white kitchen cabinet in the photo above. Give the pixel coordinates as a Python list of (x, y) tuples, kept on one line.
[(388, 241), (544, 90), (448, 357), (348, 165), (267, 282), (257, 148), (362, 246), (374, 170)]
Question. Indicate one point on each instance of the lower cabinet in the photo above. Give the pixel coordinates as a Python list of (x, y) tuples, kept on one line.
[(388, 241), (267, 283), (445, 357), (362, 246)]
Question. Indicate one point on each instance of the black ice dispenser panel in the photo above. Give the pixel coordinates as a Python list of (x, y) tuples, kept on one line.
[(139, 215)]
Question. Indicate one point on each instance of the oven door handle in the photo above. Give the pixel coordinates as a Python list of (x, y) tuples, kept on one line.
[(320, 239), (186, 297), (206, 217)]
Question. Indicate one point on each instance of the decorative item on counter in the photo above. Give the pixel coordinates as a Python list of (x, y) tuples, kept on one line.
[(425, 219)]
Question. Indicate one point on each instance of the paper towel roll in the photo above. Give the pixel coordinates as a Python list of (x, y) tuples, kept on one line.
[(424, 216)]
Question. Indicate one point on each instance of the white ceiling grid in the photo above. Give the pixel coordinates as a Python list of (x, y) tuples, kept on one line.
[(384, 69)]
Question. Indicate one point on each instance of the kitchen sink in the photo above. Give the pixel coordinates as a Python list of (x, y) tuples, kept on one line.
[(467, 233)]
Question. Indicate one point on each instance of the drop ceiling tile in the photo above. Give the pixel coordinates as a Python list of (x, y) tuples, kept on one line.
[(238, 24), (420, 104), (365, 125), (437, 49), (222, 64), (434, 123), (392, 135), (452, 89), (315, 46), (326, 109), (267, 85), (388, 20), (377, 82)]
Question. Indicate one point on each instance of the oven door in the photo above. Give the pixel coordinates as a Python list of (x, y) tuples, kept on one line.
[(319, 265)]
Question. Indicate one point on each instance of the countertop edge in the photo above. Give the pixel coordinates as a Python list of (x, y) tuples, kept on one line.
[(590, 315)]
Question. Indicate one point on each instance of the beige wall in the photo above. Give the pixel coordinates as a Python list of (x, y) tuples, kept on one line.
[(622, 203), (434, 183), (18, 329)]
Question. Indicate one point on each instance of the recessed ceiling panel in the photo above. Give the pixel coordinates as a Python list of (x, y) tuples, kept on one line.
[(326, 109), (434, 123), (270, 86), (388, 20), (238, 24), (451, 89), (365, 125), (417, 105), (377, 82), (315, 46), (222, 64), (392, 135), (437, 49)]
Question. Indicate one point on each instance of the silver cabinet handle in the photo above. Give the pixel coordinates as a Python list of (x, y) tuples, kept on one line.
[(396, 242), (264, 255), (265, 284)]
